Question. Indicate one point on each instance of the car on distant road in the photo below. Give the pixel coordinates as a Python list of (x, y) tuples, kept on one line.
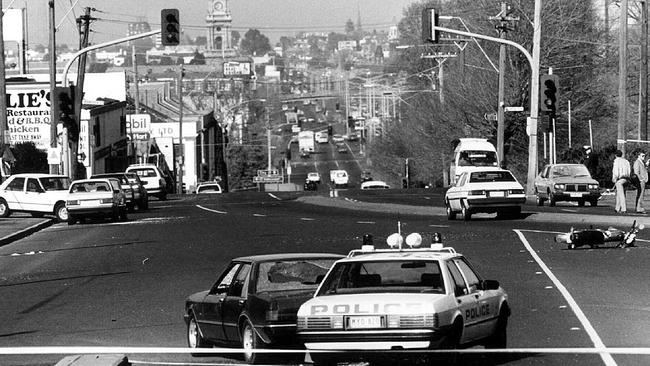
[(322, 137), (208, 188), (304, 154), (339, 178), (96, 197), (254, 301), (313, 177), (353, 137), (35, 193), (402, 299), (374, 184), (566, 182), (153, 178), (337, 138), (341, 148), (366, 176), (488, 191)]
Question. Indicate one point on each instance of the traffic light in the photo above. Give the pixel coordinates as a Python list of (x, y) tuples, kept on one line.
[(429, 22), (170, 27), (548, 85), (350, 122), (329, 130), (63, 110)]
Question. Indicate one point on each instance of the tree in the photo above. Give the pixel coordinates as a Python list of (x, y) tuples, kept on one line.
[(235, 36), (428, 123), (29, 159), (255, 43), (199, 58)]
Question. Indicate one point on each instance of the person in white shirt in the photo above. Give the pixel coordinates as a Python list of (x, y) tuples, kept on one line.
[(620, 174), (641, 171)]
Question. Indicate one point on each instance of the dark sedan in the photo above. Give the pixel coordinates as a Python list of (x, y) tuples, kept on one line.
[(254, 302)]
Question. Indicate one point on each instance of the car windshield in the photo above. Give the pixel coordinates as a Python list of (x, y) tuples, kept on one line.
[(292, 274), (55, 183), (384, 276), (570, 171), (477, 158), (147, 172), (483, 177)]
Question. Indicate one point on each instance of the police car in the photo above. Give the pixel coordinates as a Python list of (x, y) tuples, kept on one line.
[(402, 299)]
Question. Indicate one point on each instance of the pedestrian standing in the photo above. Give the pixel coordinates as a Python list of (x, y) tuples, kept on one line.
[(640, 169), (591, 161), (620, 176)]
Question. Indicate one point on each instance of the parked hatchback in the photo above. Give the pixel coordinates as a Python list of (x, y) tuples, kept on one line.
[(103, 197)]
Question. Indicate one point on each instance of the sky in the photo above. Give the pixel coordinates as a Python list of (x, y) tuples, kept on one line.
[(273, 18)]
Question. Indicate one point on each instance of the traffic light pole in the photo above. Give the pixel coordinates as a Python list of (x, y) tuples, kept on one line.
[(531, 126)]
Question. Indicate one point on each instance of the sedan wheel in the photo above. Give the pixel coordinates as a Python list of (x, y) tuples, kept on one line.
[(61, 212), (194, 338), (4, 209), (251, 342), (538, 199), (451, 215), (551, 199)]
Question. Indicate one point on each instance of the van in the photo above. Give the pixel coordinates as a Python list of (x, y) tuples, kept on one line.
[(472, 154), (152, 178)]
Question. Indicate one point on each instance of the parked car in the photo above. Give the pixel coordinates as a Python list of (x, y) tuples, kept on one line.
[(99, 197), (341, 148), (37, 194), (153, 178), (141, 195), (566, 182), (374, 184), (208, 188), (253, 303), (131, 189), (310, 185), (495, 190), (353, 137)]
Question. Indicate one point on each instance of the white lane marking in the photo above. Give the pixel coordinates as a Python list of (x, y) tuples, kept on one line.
[(211, 210), (598, 343), (544, 231), (307, 219), (434, 225), (259, 215), (276, 197), (365, 222)]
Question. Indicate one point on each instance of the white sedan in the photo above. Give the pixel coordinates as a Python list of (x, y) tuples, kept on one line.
[(338, 138), (374, 184), (96, 197), (486, 191), (208, 188), (313, 177)]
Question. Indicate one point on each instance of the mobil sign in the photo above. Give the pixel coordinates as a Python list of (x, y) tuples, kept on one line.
[(138, 126)]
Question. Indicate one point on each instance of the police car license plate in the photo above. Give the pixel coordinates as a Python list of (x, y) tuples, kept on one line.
[(496, 194), (364, 322), (575, 194)]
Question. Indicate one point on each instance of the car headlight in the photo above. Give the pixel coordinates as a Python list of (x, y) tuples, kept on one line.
[(106, 200), (560, 186), (72, 203), (593, 186), (516, 191)]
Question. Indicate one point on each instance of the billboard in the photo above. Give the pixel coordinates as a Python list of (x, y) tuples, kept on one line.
[(237, 68), (12, 25), (347, 45), (28, 114)]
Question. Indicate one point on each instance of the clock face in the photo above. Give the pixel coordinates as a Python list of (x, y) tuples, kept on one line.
[(218, 6)]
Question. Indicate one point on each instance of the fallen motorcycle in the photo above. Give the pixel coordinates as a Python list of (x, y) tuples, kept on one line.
[(595, 237)]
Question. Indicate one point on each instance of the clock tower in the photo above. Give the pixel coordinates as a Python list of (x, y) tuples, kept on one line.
[(219, 29)]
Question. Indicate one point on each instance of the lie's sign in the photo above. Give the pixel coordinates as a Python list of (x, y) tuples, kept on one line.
[(236, 69)]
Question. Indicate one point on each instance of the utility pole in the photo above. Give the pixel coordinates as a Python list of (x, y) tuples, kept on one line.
[(181, 149), (54, 168), (622, 77), (3, 91), (83, 24), (503, 27), (134, 61), (643, 74)]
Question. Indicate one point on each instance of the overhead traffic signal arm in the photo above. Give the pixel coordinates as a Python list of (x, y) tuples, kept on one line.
[(170, 27), (430, 18)]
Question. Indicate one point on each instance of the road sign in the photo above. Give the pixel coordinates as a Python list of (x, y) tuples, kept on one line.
[(490, 117), (267, 179), (513, 109)]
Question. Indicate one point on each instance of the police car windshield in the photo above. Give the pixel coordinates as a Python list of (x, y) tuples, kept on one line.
[(416, 276)]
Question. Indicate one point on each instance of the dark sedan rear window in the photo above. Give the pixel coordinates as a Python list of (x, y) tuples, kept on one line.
[(292, 274), (482, 177)]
